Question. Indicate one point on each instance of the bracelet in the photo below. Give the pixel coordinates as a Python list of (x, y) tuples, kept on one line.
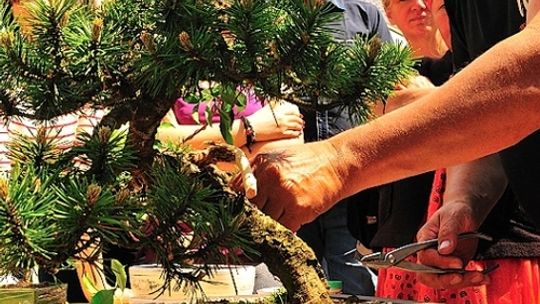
[(250, 133)]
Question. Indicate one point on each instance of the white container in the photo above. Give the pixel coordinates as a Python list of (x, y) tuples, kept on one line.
[(146, 279)]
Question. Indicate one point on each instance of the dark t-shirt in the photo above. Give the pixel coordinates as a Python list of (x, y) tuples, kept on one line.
[(476, 26), (403, 204)]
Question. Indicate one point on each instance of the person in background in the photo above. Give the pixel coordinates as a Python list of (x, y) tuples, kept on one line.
[(415, 22), (517, 248), (276, 124), (328, 235), (516, 243), (488, 106)]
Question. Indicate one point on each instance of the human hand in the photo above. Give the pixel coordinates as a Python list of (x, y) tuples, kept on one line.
[(415, 82), (284, 122), (404, 97), (296, 185), (446, 224)]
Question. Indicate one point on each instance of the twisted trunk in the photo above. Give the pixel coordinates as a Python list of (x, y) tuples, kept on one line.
[(142, 132), (287, 257)]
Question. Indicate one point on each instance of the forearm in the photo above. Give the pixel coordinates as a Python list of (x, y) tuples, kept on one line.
[(401, 98), (178, 133), (490, 105), (479, 184)]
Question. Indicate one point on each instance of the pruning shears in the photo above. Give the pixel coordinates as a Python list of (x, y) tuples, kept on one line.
[(396, 257)]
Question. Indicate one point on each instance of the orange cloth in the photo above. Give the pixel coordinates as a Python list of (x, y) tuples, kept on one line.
[(516, 281)]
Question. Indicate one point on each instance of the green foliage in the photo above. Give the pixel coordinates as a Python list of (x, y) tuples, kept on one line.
[(37, 151), (138, 56), (104, 153), (133, 49), (119, 274), (105, 296), (47, 205), (193, 221)]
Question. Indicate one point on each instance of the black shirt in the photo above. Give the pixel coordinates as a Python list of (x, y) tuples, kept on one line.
[(477, 25), (403, 204)]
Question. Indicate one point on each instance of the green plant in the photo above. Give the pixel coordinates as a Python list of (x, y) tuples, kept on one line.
[(134, 57)]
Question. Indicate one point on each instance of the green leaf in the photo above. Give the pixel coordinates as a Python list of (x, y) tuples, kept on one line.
[(166, 125), (120, 273), (225, 125), (105, 296), (241, 102), (228, 95), (209, 113), (192, 99), (206, 95)]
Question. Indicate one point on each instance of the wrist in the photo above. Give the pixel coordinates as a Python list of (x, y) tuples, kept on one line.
[(238, 131), (340, 170), (475, 215)]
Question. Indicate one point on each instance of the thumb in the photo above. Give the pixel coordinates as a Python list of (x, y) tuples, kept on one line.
[(448, 235)]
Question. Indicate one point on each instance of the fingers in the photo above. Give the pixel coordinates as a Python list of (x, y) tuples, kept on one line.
[(258, 166), (433, 258), (274, 209), (453, 280), (448, 236), (292, 133), (236, 183)]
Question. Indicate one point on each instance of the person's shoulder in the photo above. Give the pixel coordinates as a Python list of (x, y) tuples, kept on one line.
[(366, 6)]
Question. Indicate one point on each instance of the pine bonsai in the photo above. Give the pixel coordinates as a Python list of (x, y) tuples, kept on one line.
[(133, 58)]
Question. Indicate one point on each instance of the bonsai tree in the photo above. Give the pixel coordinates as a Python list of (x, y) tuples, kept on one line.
[(134, 58)]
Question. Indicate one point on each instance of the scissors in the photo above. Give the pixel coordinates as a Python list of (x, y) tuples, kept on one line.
[(396, 257)]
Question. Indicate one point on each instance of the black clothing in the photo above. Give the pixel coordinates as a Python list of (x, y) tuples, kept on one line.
[(403, 204), (477, 25), (522, 165), (402, 210), (438, 71)]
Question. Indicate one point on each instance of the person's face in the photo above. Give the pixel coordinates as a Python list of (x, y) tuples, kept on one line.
[(441, 21), (410, 16)]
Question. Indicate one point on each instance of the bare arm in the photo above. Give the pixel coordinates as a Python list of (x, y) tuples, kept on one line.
[(490, 105), (472, 190), (401, 98), (274, 122), (479, 184), (178, 133)]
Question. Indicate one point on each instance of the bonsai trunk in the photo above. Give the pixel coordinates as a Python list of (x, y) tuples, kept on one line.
[(142, 132), (287, 257)]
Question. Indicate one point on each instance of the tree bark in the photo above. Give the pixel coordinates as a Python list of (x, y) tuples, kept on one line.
[(287, 257)]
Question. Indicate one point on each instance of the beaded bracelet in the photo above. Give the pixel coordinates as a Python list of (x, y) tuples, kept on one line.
[(250, 133)]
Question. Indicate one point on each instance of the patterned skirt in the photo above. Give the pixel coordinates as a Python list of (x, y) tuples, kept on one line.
[(516, 281)]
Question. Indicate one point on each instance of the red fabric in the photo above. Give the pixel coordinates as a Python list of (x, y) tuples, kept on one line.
[(516, 281)]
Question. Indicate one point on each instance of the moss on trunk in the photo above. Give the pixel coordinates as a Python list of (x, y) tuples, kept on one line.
[(287, 257)]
